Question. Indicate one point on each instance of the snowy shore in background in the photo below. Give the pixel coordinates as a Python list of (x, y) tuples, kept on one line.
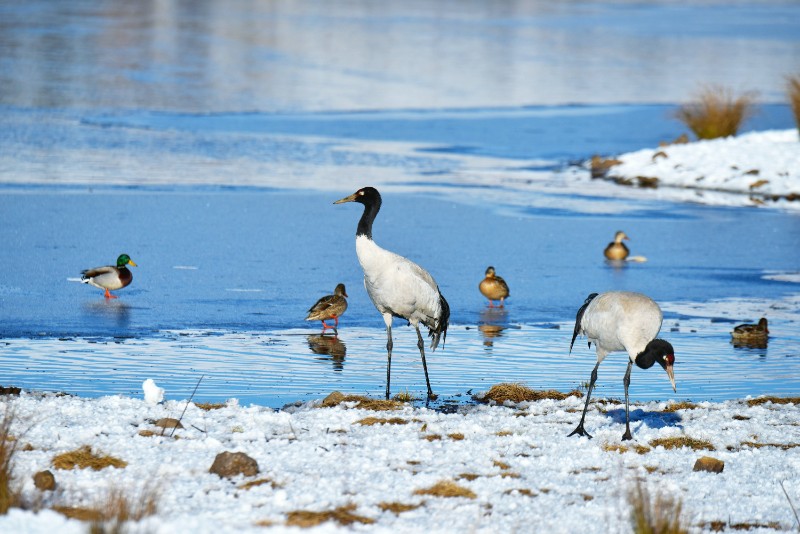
[(764, 167), (524, 472)]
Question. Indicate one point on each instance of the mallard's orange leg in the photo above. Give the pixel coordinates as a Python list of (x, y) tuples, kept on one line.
[(325, 327), (109, 295), (491, 304), (502, 303)]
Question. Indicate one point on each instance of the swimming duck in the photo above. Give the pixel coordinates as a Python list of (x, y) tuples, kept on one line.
[(329, 307), (110, 277), (616, 250), (751, 332), (493, 287)]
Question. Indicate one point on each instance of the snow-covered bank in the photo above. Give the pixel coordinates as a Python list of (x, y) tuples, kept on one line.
[(765, 166), (524, 472)]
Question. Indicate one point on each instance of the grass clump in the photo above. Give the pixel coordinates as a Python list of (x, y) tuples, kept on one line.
[(365, 403), (638, 449), (370, 421), (208, 406), (774, 400), (659, 515), (793, 90), (259, 482), (9, 497), (84, 457), (447, 488), (682, 441), (516, 393), (119, 508), (675, 406), (343, 515), (397, 508), (716, 112)]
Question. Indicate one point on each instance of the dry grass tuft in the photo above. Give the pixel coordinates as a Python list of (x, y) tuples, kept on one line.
[(659, 515), (365, 403), (467, 476), (208, 406), (675, 406), (516, 392), (118, 508), (503, 433), (9, 497), (433, 437), (447, 488), (682, 441), (456, 436), (397, 508), (782, 446), (774, 400), (521, 491), (370, 421), (83, 458), (501, 465), (343, 515), (405, 397), (260, 482), (638, 449), (793, 90), (738, 417), (716, 112)]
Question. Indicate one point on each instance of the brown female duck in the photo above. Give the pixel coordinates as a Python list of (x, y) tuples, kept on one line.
[(493, 287), (329, 307), (616, 250), (751, 332)]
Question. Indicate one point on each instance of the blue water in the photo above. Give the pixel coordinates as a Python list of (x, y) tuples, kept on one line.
[(210, 143)]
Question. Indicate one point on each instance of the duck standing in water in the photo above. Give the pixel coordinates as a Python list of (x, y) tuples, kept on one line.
[(751, 333), (616, 250), (329, 307), (397, 286), (110, 277), (493, 287)]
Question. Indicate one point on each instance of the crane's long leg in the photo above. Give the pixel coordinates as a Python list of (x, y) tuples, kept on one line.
[(387, 318), (627, 382), (579, 429), (421, 345)]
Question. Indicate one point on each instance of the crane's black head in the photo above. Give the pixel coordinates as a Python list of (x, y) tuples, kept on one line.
[(371, 199), (661, 352)]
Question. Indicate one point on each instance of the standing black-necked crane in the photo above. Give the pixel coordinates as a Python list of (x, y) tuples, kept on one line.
[(623, 321), (397, 286)]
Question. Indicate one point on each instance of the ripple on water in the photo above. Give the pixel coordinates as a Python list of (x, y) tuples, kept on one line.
[(279, 367)]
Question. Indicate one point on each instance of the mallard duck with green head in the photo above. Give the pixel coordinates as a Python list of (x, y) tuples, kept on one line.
[(329, 307), (616, 250), (110, 277), (493, 287), (751, 332)]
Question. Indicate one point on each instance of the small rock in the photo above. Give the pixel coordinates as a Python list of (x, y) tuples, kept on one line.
[(44, 481), (230, 464), (707, 463), (168, 422)]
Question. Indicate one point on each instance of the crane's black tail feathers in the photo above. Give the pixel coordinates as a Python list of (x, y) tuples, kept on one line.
[(440, 328), (578, 319)]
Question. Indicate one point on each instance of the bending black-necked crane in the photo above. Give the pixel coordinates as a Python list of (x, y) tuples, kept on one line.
[(623, 321), (397, 286)]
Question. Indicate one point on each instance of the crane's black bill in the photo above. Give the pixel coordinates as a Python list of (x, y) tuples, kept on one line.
[(579, 318)]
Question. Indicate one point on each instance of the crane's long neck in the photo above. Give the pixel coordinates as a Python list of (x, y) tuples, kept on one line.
[(367, 218)]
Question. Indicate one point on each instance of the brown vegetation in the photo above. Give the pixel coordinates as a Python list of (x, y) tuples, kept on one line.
[(9, 497), (675, 406), (343, 515), (716, 112), (793, 89), (370, 421), (447, 488), (774, 400), (365, 403), (516, 392), (659, 515), (638, 449), (84, 457), (208, 406), (397, 507), (118, 508), (682, 441)]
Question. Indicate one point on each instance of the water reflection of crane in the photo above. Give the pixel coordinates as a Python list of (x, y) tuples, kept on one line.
[(491, 323), (330, 347)]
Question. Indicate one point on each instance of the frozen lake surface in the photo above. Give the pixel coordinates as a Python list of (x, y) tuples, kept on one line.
[(209, 144)]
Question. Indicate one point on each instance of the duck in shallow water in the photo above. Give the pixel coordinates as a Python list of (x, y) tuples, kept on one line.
[(749, 333), (110, 277), (493, 287), (616, 250), (329, 307)]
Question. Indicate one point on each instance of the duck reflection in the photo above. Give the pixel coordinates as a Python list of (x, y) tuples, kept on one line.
[(112, 311), (330, 347), (491, 323)]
